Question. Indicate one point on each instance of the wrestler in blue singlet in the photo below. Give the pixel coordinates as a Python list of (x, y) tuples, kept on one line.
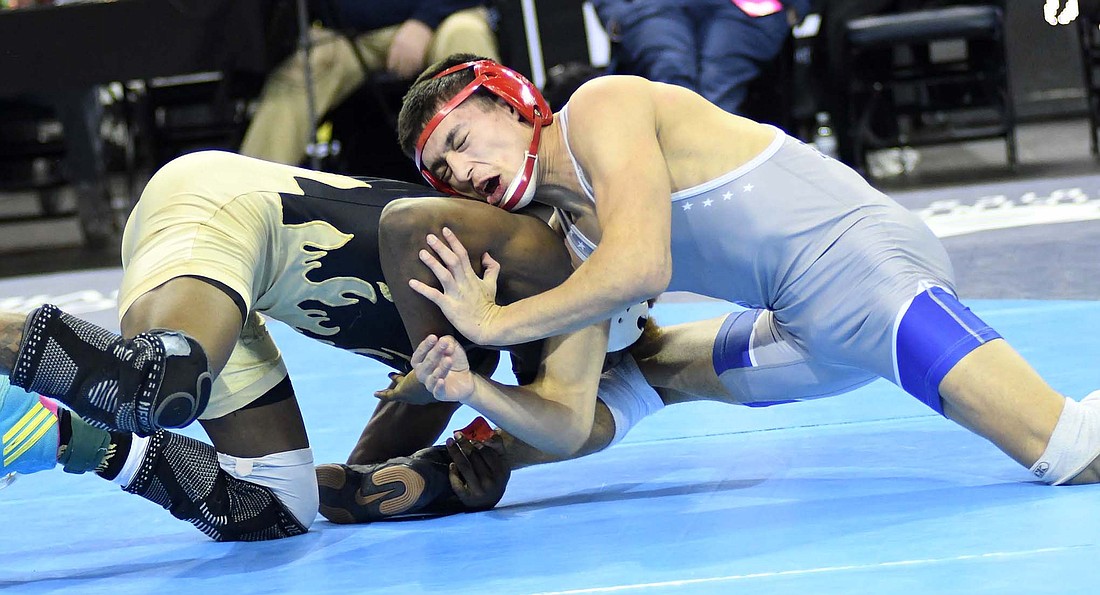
[(843, 284)]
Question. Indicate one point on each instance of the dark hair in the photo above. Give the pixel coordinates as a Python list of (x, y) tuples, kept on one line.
[(427, 94)]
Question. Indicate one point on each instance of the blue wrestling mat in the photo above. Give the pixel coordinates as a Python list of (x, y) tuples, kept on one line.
[(868, 492)]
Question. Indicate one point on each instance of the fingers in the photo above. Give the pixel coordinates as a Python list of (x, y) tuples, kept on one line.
[(449, 264), (451, 261), (463, 480), (492, 269), (423, 349), (456, 247), (482, 469), (435, 379), (442, 263), (472, 466), (427, 291), (456, 261), (432, 362)]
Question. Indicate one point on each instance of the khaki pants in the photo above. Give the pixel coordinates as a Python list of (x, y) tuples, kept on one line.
[(281, 123)]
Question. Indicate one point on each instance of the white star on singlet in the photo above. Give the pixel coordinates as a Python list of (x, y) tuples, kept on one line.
[(747, 188), (687, 206), (727, 196), (708, 202)]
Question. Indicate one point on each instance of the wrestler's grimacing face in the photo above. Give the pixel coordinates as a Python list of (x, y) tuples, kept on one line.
[(477, 149)]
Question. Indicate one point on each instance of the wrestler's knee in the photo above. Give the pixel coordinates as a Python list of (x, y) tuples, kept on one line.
[(402, 219), (465, 31), (289, 476), (158, 379)]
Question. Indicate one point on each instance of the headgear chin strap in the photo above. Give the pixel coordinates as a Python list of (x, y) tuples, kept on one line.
[(517, 92), (522, 189)]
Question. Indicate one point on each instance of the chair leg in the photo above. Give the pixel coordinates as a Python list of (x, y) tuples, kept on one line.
[(1085, 34)]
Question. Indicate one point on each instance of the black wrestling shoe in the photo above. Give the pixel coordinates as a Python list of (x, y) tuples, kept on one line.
[(399, 487)]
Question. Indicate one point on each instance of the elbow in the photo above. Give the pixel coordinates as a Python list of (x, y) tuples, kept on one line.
[(652, 280), (397, 222), (575, 438), (571, 438)]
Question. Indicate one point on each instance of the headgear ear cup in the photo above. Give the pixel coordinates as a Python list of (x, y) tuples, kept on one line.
[(627, 326), (516, 91)]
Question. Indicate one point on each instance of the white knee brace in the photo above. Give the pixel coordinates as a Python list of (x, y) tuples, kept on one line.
[(629, 397), (1074, 444), (289, 475)]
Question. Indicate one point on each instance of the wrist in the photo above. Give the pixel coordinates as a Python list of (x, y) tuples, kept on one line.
[(471, 399), (496, 331)]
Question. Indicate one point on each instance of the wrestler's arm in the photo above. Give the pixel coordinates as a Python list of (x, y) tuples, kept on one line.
[(537, 261), (532, 255), (613, 133), (553, 414), (555, 411)]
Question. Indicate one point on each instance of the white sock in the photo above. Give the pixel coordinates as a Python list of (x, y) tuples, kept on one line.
[(1074, 444), (138, 446)]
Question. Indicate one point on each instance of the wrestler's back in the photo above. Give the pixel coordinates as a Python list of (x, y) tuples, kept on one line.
[(698, 140), (327, 278), (296, 245)]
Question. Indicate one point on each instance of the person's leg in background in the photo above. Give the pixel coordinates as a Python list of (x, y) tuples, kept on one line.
[(281, 123), (734, 49), (657, 42), (80, 112), (466, 31)]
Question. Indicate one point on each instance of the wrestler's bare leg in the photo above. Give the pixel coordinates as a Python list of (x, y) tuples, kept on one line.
[(993, 392), (216, 325), (677, 360)]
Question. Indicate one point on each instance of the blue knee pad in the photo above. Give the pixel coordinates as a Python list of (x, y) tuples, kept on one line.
[(932, 335), (29, 427)]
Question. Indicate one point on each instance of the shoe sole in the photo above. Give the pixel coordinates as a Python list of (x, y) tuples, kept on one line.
[(347, 496)]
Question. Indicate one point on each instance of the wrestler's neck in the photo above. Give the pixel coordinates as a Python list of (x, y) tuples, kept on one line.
[(556, 169)]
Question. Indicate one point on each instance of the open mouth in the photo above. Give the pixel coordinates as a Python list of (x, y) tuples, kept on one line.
[(490, 187)]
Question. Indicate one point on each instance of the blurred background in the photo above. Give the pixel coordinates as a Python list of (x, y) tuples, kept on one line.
[(96, 95)]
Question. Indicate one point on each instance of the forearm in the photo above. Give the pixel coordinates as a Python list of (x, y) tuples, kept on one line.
[(519, 454), (400, 429), (549, 426), (597, 290)]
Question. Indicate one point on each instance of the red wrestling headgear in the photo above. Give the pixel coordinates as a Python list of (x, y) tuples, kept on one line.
[(519, 93)]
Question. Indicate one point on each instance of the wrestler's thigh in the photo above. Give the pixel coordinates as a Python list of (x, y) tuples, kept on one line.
[(678, 357), (193, 306), (258, 431)]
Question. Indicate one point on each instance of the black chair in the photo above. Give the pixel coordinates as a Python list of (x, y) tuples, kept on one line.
[(182, 114), (364, 131), (31, 151), (50, 142), (928, 77)]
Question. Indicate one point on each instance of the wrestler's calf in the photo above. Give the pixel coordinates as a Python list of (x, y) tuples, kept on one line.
[(275, 497), (158, 379)]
